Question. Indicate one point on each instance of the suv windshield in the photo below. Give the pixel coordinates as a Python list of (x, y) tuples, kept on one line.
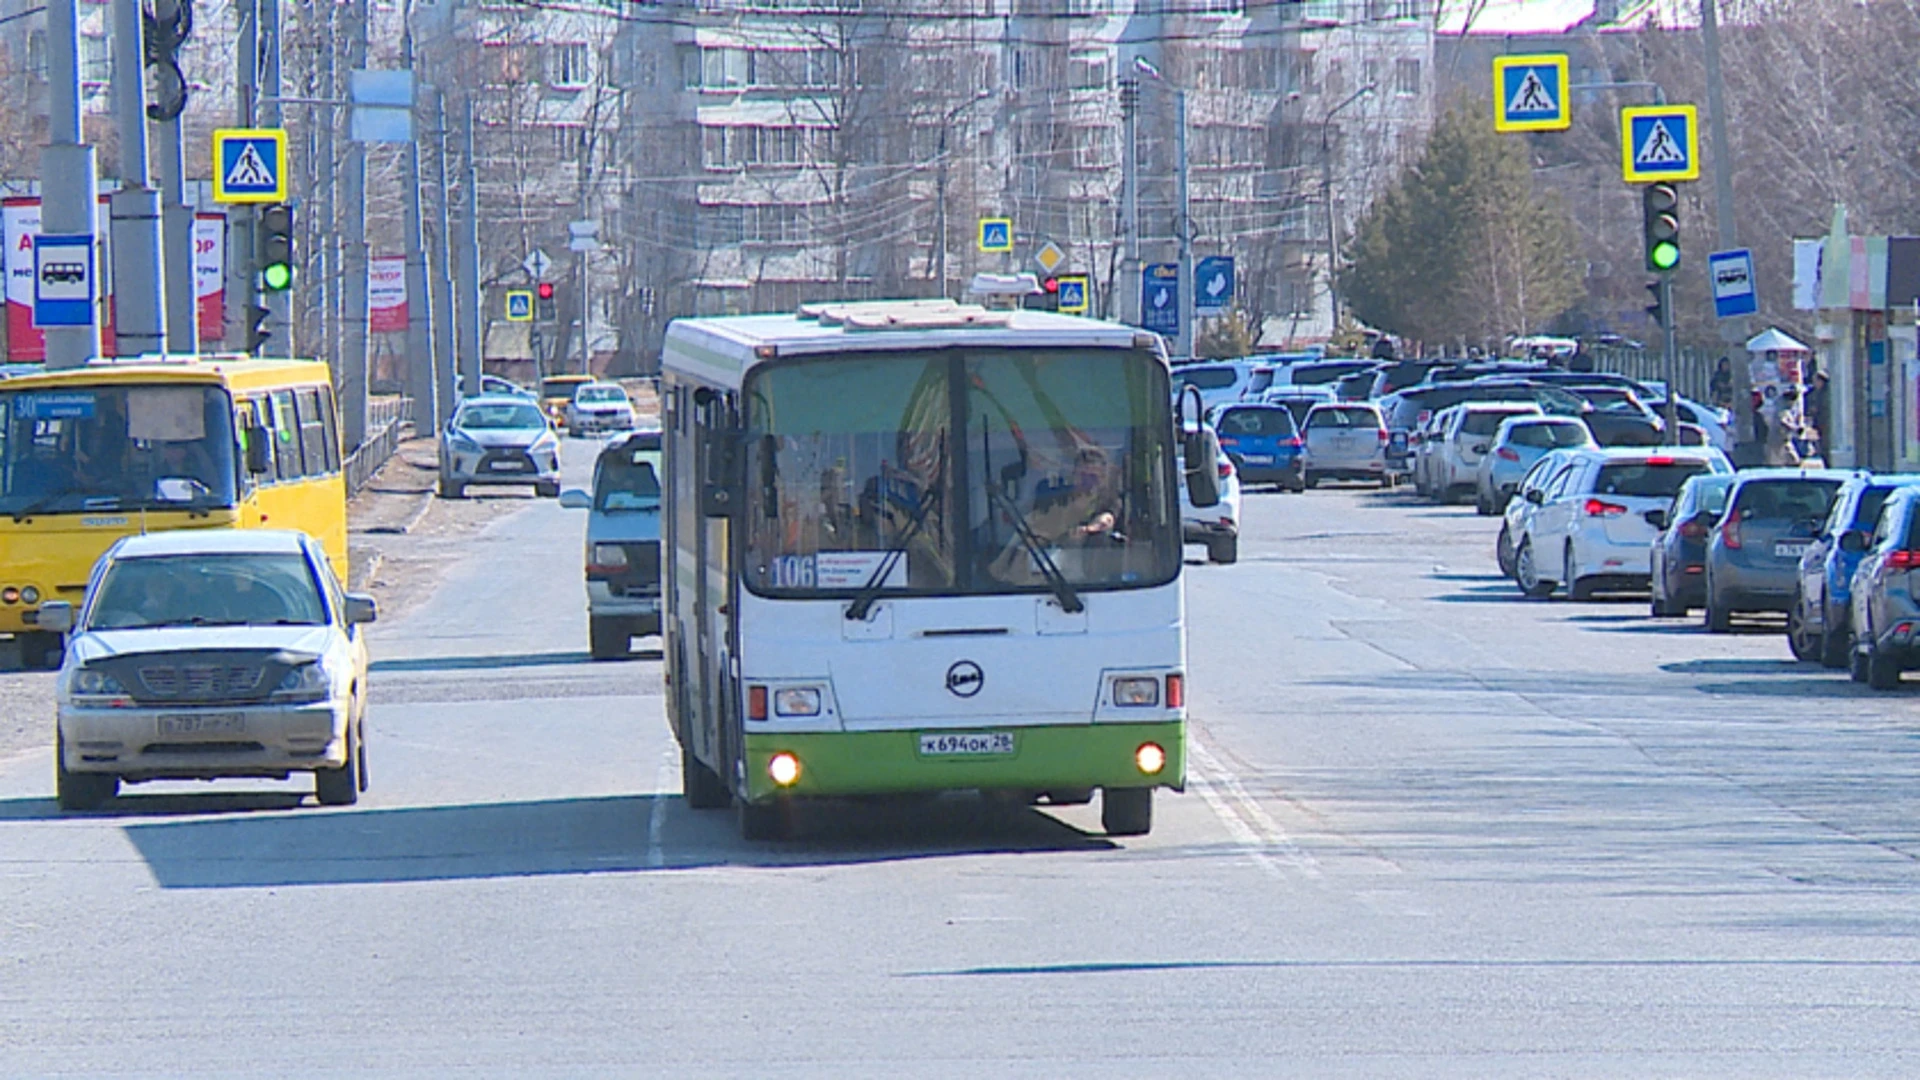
[(1549, 434), (116, 447), (1645, 479), (1209, 378), (1786, 500), (1343, 417), (1483, 423), (499, 416), (207, 590), (590, 395), (627, 480), (1272, 420), (960, 471)]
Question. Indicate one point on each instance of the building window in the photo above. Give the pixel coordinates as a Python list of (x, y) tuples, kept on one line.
[(1321, 11), (1090, 69), (1406, 77), (1092, 147), (723, 69), (37, 53), (1302, 78), (1406, 10), (1221, 7), (721, 226), (1371, 70), (570, 64), (569, 140)]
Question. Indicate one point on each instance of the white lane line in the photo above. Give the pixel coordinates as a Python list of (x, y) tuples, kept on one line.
[(1245, 818), (664, 787)]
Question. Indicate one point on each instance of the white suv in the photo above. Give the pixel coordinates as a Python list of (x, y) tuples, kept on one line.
[(1464, 441), (1588, 530), (1217, 526)]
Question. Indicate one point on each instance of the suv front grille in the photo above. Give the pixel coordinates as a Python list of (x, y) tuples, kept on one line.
[(201, 682)]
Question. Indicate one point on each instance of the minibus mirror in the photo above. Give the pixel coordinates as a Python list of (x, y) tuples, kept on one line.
[(1203, 470), (259, 451), (720, 496)]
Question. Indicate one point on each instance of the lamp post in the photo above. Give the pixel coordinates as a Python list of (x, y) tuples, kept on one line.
[(946, 124), (1183, 343), (1326, 199)]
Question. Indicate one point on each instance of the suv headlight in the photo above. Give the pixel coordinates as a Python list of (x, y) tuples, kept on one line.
[(306, 683), (90, 683), (461, 443)]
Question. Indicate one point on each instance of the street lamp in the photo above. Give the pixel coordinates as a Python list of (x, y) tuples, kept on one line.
[(1183, 343), (1326, 199), (946, 123)]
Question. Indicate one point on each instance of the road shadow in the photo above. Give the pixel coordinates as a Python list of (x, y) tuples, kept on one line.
[(1731, 666), (610, 834), (481, 663), (130, 803)]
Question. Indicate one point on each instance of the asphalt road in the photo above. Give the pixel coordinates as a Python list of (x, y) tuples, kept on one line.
[(1433, 830)]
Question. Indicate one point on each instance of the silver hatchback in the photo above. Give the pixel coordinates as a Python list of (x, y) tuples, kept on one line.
[(1347, 441)]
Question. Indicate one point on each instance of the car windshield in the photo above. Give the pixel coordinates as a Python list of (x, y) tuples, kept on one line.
[(1548, 434), (1710, 493), (89, 448), (1218, 378), (1796, 499), (1272, 420), (207, 590), (962, 471), (627, 480), (592, 395), (1646, 479), (499, 416), (1867, 514), (1343, 418), (560, 386)]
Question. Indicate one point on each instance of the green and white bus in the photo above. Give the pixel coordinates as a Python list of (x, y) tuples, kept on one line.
[(919, 546)]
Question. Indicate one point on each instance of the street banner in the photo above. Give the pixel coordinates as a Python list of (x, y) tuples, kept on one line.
[(210, 278), (387, 294), (19, 221)]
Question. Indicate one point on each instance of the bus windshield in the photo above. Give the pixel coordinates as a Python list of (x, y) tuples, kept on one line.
[(961, 471), (85, 448)]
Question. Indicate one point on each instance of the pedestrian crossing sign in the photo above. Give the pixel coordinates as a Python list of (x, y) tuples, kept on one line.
[(1530, 93), (1659, 142), (996, 235), (250, 165), (519, 305)]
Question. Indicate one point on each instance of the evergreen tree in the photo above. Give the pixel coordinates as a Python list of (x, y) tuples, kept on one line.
[(1462, 247)]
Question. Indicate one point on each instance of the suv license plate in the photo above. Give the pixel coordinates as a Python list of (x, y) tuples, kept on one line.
[(967, 743), (232, 723), (1790, 550)]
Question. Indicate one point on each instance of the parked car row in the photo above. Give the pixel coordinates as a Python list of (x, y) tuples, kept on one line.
[(1835, 552)]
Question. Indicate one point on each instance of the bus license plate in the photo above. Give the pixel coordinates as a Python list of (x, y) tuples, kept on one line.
[(204, 724), (967, 743)]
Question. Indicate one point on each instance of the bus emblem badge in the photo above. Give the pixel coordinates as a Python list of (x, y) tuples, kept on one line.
[(964, 679)]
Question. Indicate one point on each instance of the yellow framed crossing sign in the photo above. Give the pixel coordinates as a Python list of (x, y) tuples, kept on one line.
[(1530, 93), (250, 165), (1659, 142)]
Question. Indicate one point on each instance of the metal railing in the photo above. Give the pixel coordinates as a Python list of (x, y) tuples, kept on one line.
[(387, 420), (1695, 367)]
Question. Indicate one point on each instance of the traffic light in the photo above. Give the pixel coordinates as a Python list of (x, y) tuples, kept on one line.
[(257, 332), (276, 248), (1657, 311), (1048, 299), (1660, 217), (543, 308)]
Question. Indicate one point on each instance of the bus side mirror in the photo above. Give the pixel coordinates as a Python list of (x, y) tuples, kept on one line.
[(1203, 470), (259, 451), (720, 496), (55, 617)]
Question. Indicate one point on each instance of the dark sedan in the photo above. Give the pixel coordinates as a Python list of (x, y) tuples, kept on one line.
[(1680, 550)]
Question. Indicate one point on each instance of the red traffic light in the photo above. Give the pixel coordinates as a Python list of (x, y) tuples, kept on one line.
[(1052, 284), (546, 290)]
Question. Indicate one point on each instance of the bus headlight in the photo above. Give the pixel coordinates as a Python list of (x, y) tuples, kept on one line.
[(784, 769), (1150, 758), (797, 701), (30, 595), (1136, 691)]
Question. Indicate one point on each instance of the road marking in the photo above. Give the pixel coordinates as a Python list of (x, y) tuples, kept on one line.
[(1249, 823), (663, 779)]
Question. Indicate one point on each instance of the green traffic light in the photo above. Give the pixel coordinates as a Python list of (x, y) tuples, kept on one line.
[(277, 277), (1663, 255)]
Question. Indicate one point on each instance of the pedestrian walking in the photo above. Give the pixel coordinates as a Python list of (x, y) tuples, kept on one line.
[(1721, 387)]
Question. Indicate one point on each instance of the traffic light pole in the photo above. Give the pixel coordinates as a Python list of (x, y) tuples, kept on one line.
[(1673, 359)]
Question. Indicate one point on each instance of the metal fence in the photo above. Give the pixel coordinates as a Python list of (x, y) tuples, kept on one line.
[(1695, 374), (387, 419)]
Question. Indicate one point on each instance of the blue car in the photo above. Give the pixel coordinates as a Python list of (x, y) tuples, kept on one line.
[(1264, 444), (1819, 626)]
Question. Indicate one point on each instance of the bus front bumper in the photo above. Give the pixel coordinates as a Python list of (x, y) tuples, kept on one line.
[(1051, 758)]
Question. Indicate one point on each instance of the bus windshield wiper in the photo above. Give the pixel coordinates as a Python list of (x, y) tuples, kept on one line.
[(41, 503), (863, 600), (1062, 589)]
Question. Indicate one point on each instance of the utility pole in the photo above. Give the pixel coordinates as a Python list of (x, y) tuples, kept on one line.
[(1186, 223), (67, 192), (1128, 305), (1732, 331), (183, 315), (472, 316), (940, 247), (443, 336), (279, 305), (322, 223), (242, 258), (1326, 205), (353, 252), (139, 278), (426, 410)]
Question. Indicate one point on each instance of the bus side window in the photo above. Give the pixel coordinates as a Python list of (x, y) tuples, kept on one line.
[(247, 425), (286, 436), (313, 433), (332, 425)]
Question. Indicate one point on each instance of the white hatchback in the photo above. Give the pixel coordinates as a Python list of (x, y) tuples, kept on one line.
[(200, 654), (1216, 526), (1588, 530)]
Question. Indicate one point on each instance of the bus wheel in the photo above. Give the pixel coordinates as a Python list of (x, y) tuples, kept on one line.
[(701, 786), (1126, 811), (766, 820)]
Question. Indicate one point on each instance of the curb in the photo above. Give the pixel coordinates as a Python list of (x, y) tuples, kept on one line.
[(407, 526)]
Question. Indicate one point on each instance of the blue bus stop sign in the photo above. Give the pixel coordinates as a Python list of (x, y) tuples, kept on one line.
[(1160, 298)]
